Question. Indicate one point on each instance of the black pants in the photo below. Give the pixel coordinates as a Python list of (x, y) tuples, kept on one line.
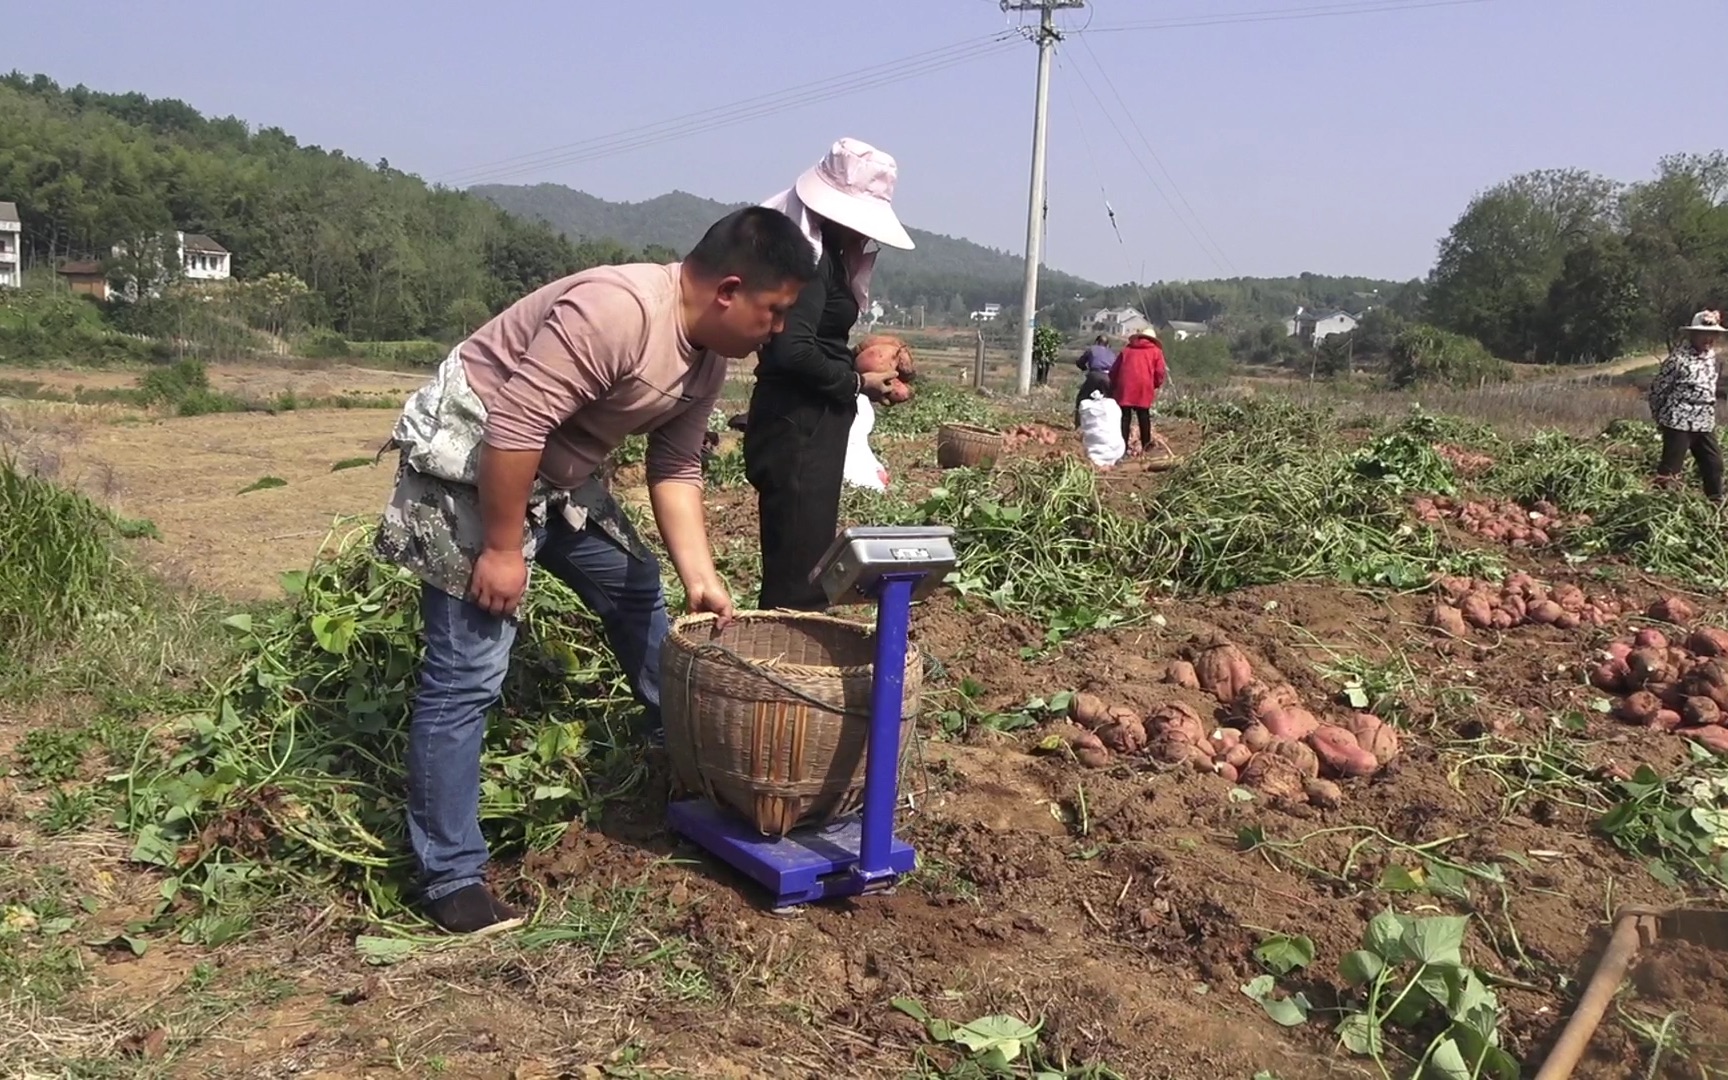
[(1145, 415), (795, 458), (1043, 373), (1703, 447), (1093, 380)]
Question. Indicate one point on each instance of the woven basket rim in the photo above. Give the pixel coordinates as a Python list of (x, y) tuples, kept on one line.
[(676, 635), (970, 429)]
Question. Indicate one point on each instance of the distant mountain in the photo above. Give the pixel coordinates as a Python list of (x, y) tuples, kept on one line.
[(941, 269)]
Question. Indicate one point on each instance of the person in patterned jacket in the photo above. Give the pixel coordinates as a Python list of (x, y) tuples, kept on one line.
[(1683, 403)]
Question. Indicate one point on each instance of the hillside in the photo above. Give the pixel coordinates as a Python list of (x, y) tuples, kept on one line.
[(941, 267)]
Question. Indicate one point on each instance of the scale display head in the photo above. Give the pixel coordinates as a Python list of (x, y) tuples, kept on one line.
[(863, 554)]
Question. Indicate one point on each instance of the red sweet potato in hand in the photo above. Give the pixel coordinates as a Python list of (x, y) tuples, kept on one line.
[(1339, 752)]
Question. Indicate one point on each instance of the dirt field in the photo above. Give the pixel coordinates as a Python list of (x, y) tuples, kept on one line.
[(1119, 907)]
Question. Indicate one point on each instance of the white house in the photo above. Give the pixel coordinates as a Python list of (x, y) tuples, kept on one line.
[(1316, 326), (200, 259), (1117, 322), (1178, 330), (11, 230), (987, 313)]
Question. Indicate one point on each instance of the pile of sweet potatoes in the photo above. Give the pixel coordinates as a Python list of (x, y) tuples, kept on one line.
[(1466, 463), (1503, 522), (1464, 604), (1677, 683), (1022, 434), (1268, 740)]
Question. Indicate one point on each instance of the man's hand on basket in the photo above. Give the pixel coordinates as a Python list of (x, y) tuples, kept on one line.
[(711, 597)]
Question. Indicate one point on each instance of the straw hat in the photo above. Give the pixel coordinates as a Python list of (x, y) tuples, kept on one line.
[(1149, 332), (854, 186), (1707, 322)]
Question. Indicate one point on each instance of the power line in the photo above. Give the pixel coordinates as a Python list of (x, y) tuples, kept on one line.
[(1319, 11), (1129, 113), (869, 77), (1217, 257)]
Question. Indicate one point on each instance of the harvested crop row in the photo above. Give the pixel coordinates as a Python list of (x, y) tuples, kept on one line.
[(1465, 604), (1678, 684), (1271, 742), (1501, 521)]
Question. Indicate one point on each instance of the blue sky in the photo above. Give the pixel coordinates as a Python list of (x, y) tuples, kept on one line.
[(1339, 145)]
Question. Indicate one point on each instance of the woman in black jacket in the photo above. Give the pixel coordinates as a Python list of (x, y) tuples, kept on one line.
[(807, 390)]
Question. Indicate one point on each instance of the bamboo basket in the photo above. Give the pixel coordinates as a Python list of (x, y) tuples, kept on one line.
[(770, 717), (967, 446)]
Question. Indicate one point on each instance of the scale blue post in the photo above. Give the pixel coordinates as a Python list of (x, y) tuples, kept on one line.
[(860, 853)]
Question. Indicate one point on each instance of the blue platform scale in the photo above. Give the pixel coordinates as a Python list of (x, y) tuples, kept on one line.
[(891, 567)]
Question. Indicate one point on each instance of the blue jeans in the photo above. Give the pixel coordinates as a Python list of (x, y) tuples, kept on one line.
[(467, 657)]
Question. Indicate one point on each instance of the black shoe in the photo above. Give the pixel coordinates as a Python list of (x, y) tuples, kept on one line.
[(473, 910), (656, 738)]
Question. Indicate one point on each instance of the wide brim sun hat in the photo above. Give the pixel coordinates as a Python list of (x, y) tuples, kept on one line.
[(853, 185), (1706, 322)]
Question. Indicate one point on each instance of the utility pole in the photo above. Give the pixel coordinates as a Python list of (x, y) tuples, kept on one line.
[(1047, 38)]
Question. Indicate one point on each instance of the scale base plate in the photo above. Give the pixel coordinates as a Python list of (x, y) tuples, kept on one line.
[(805, 865)]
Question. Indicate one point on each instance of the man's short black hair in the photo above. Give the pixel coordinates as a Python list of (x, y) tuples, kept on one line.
[(1101, 340), (763, 247)]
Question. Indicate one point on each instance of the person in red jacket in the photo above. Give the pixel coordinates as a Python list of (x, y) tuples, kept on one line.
[(1135, 381)]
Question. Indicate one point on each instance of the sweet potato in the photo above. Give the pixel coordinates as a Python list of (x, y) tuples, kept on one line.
[(1673, 609), (1125, 735), (1708, 641), (1296, 723), (1570, 597), (1089, 711), (1640, 708), (1181, 752), (1229, 772), (1448, 620), (1177, 721), (1120, 714), (1222, 739), (1610, 676), (1256, 738), (1545, 612), (1701, 712), (1375, 736), (1237, 756), (1501, 619), (1668, 693), (1647, 666), (1666, 720), (1453, 588), (1713, 738), (1085, 745), (1478, 610), (1273, 777), (1514, 605), (1323, 793), (1258, 703), (1650, 638), (1568, 620), (1181, 673), (1299, 754), (1223, 671), (1618, 650), (1339, 753)]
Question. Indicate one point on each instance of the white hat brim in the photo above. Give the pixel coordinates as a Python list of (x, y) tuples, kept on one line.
[(1697, 329), (867, 217)]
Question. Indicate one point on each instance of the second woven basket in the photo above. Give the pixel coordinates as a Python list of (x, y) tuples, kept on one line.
[(770, 717), (967, 446)]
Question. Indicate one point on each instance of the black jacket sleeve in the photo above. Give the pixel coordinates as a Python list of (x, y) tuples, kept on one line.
[(799, 355)]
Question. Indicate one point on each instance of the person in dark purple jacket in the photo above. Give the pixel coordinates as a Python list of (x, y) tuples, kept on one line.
[(1094, 364)]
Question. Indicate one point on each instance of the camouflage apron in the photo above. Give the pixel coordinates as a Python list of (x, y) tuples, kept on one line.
[(432, 523)]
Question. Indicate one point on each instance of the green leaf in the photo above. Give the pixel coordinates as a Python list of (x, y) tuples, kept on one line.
[(293, 582), (1397, 879), (334, 633), (1437, 939), (153, 848), (241, 622), (1361, 967), (912, 1008), (999, 1037), (137, 946), (383, 950), (1447, 1063), (1360, 1034), (1497, 1064), (1384, 936), (1289, 1012), (1282, 954)]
